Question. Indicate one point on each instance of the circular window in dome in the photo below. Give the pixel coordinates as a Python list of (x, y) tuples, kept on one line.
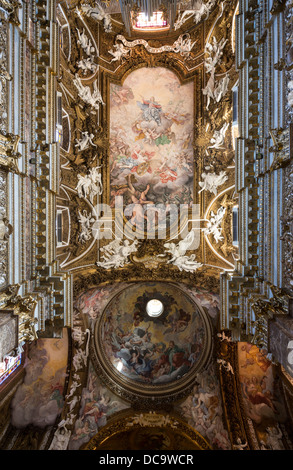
[(151, 340), (154, 308)]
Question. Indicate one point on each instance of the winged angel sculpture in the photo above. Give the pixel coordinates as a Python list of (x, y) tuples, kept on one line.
[(116, 253), (211, 181), (98, 12), (179, 258), (214, 89), (200, 9)]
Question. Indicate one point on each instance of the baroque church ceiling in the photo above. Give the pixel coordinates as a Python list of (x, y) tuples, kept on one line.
[(147, 225)]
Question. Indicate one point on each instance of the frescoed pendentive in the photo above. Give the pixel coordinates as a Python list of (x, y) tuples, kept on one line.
[(262, 396), (151, 135), (152, 350)]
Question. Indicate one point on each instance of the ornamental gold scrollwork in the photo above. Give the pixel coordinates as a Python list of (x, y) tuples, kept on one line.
[(8, 151), (148, 423), (227, 352)]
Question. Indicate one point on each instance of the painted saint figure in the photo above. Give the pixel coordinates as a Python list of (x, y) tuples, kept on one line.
[(151, 110)]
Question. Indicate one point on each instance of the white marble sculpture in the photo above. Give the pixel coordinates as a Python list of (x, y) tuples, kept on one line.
[(79, 360), (119, 53), (183, 45), (214, 89), (179, 257), (90, 185), (218, 138), (214, 50), (85, 141), (98, 13), (274, 438), (84, 92), (221, 88), (211, 181), (87, 65), (85, 43), (74, 386), (96, 179), (116, 253), (199, 11), (85, 221), (224, 337), (226, 365), (4, 75), (214, 224), (61, 439)]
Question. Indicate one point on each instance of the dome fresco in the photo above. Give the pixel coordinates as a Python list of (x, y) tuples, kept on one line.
[(153, 350)]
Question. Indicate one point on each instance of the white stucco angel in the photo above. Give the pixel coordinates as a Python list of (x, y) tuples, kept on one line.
[(215, 52), (74, 386), (96, 97), (4, 75), (200, 9), (98, 13), (226, 365), (61, 439), (214, 89), (221, 88), (85, 221), (85, 141), (211, 181), (79, 359), (178, 252), (224, 337), (274, 438), (85, 43), (90, 185), (183, 45), (84, 92), (119, 53), (116, 253), (83, 185), (87, 65), (218, 138), (187, 263), (214, 224), (96, 180)]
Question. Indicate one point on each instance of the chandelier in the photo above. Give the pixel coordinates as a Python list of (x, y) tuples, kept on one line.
[(148, 7)]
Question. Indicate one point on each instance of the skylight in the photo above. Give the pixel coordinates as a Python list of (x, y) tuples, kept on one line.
[(156, 21)]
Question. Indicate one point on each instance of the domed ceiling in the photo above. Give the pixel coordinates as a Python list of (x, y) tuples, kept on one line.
[(151, 339)]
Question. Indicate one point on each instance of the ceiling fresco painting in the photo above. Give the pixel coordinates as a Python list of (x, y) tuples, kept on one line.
[(262, 395), (144, 174), (151, 153), (97, 406), (40, 399), (152, 350)]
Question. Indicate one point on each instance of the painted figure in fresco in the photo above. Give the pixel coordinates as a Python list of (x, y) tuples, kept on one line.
[(256, 392), (255, 356), (176, 356), (178, 322), (151, 110)]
